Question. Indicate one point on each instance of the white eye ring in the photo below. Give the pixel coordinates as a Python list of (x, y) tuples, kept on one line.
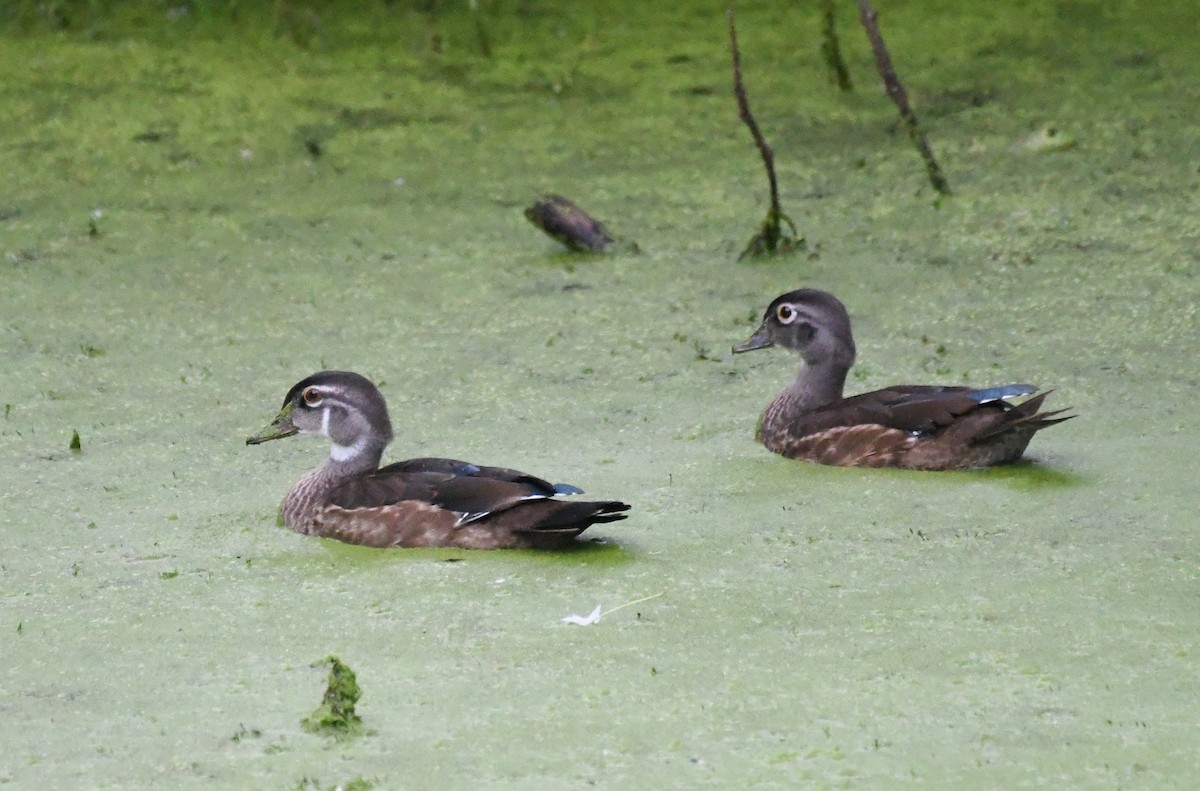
[(312, 396), (785, 313)]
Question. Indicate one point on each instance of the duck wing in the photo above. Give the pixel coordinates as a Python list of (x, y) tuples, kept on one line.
[(914, 409), (471, 491)]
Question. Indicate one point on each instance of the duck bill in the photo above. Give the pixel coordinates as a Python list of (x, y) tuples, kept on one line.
[(761, 339), (282, 426)]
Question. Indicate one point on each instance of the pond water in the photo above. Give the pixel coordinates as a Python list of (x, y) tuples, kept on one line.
[(198, 211)]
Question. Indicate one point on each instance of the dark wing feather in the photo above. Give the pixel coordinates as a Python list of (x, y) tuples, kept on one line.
[(472, 491), (467, 469), (470, 496), (910, 408), (382, 489)]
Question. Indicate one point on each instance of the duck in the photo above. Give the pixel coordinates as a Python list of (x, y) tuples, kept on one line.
[(425, 502), (920, 427)]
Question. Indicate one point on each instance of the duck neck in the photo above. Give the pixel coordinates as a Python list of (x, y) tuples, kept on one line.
[(814, 387), (312, 491), (350, 461)]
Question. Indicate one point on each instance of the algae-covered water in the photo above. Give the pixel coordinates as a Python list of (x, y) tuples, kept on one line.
[(200, 207)]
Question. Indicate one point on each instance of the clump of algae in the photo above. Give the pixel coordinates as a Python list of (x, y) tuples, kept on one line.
[(336, 716)]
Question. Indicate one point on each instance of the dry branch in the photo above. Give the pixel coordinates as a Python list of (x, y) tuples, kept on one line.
[(771, 237), (896, 91)]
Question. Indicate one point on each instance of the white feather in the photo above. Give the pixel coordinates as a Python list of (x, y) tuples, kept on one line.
[(584, 620)]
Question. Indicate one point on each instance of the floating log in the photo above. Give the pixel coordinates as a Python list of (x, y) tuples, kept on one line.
[(562, 220)]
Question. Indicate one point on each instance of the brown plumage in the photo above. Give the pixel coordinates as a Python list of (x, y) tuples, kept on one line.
[(925, 427), (415, 503)]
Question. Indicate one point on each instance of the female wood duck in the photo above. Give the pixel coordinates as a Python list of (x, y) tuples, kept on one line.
[(923, 427), (419, 502)]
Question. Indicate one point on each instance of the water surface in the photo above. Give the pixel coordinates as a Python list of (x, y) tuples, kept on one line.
[(198, 212)]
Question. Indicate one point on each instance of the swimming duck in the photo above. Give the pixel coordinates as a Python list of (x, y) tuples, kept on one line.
[(923, 427), (419, 502)]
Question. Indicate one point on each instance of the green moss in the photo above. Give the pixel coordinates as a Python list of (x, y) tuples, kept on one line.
[(1043, 629), (336, 716), (313, 784)]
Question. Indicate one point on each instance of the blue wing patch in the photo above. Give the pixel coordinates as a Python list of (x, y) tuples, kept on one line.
[(1003, 391)]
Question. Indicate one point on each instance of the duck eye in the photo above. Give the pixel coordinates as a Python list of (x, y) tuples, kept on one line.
[(785, 313), (311, 396)]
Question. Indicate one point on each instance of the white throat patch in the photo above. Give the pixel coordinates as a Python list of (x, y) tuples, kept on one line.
[(341, 452), (347, 452)]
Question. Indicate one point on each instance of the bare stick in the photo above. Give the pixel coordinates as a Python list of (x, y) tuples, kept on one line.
[(770, 238), (896, 91), (743, 103), (831, 50)]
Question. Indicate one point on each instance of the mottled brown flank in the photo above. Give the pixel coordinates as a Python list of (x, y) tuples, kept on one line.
[(415, 524), (868, 445)]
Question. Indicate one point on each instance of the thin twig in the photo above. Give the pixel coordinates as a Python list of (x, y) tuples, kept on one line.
[(770, 238), (631, 603), (896, 91), (831, 49), (743, 103)]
